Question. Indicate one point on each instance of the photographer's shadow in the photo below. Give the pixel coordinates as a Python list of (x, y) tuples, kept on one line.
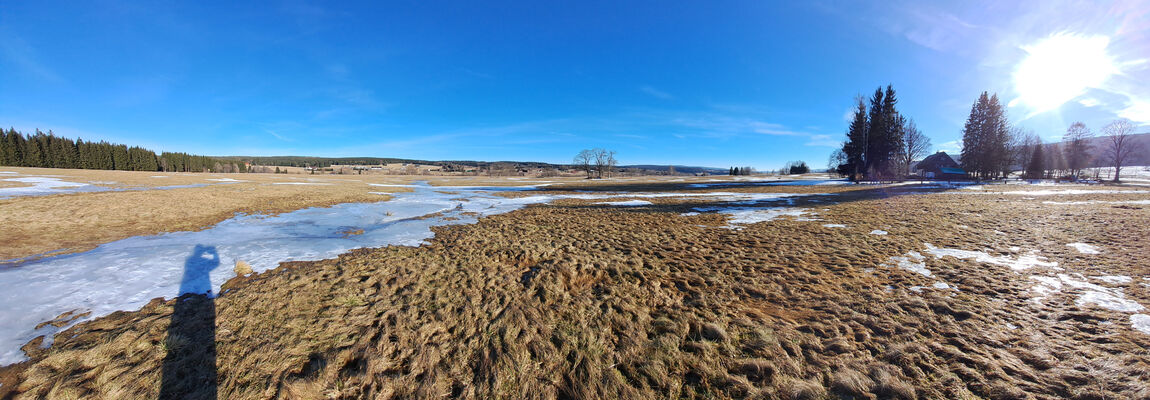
[(190, 365)]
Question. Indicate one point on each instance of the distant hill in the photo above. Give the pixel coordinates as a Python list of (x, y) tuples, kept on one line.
[(1099, 144), (682, 169), (323, 162)]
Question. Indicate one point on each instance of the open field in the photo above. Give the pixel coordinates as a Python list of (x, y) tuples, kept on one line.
[(659, 288), (114, 205)]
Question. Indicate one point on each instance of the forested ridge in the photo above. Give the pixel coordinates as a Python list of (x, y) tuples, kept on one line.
[(46, 150)]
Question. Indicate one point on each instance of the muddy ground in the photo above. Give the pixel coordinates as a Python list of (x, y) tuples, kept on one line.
[(581, 300)]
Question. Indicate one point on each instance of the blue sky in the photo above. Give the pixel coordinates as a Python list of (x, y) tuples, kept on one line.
[(698, 83)]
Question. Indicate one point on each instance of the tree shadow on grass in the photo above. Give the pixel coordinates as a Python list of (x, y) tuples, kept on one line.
[(190, 364)]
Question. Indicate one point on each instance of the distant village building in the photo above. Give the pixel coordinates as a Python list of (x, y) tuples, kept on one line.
[(940, 166)]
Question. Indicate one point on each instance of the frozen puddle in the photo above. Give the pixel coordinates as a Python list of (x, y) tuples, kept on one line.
[(1084, 248), (1022, 262), (126, 274)]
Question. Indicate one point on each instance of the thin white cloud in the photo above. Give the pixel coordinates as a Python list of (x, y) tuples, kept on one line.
[(278, 136), (1137, 111), (19, 53), (656, 93), (1089, 102), (953, 147), (823, 141)]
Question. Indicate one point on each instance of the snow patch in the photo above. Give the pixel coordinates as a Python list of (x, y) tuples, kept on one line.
[(878, 232), (913, 262), (1141, 322), (627, 203), (1023, 262), (1084, 248), (834, 226), (1109, 298), (751, 215), (44, 186), (1114, 279), (300, 183)]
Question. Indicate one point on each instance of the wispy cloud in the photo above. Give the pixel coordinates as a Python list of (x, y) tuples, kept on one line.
[(23, 56), (952, 147), (823, 141), (278, 136), (656, 93)]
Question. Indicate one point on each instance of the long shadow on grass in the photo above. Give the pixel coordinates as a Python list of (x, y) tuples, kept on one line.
[(190, 365)]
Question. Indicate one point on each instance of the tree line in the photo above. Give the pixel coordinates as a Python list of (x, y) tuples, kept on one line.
[(881, 143), (46, 150)]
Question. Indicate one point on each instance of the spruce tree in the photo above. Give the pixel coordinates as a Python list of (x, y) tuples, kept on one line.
[(856, 145)]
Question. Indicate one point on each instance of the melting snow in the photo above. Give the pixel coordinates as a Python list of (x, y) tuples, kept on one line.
[(750, 215), (44, 186), (1084, 248), (126, 274), (627, 203), (1108, 298), (878, 232), (1140, 202), (834, 226), (1141, 322), (300, 183), (1115, 279), (225, 180), (1025, 261), (913, 262)]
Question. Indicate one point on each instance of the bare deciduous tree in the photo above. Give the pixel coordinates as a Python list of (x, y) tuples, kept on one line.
[(604, 162), (598, 163), (1077, 149), (583, 161), (915, 145), (1119, 144)]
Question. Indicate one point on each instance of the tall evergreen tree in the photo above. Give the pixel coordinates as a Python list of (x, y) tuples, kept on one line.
[(985, 138), (855, 147)]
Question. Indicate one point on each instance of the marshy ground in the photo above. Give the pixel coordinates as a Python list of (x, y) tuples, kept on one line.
[(578, 299)]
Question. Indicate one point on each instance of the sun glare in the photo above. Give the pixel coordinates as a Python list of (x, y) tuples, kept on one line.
[(1059, 68)]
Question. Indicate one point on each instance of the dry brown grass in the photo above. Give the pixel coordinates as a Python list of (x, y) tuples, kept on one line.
[(574, 300)]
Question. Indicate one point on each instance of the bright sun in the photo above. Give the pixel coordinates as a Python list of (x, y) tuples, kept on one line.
[(1059, 68)]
